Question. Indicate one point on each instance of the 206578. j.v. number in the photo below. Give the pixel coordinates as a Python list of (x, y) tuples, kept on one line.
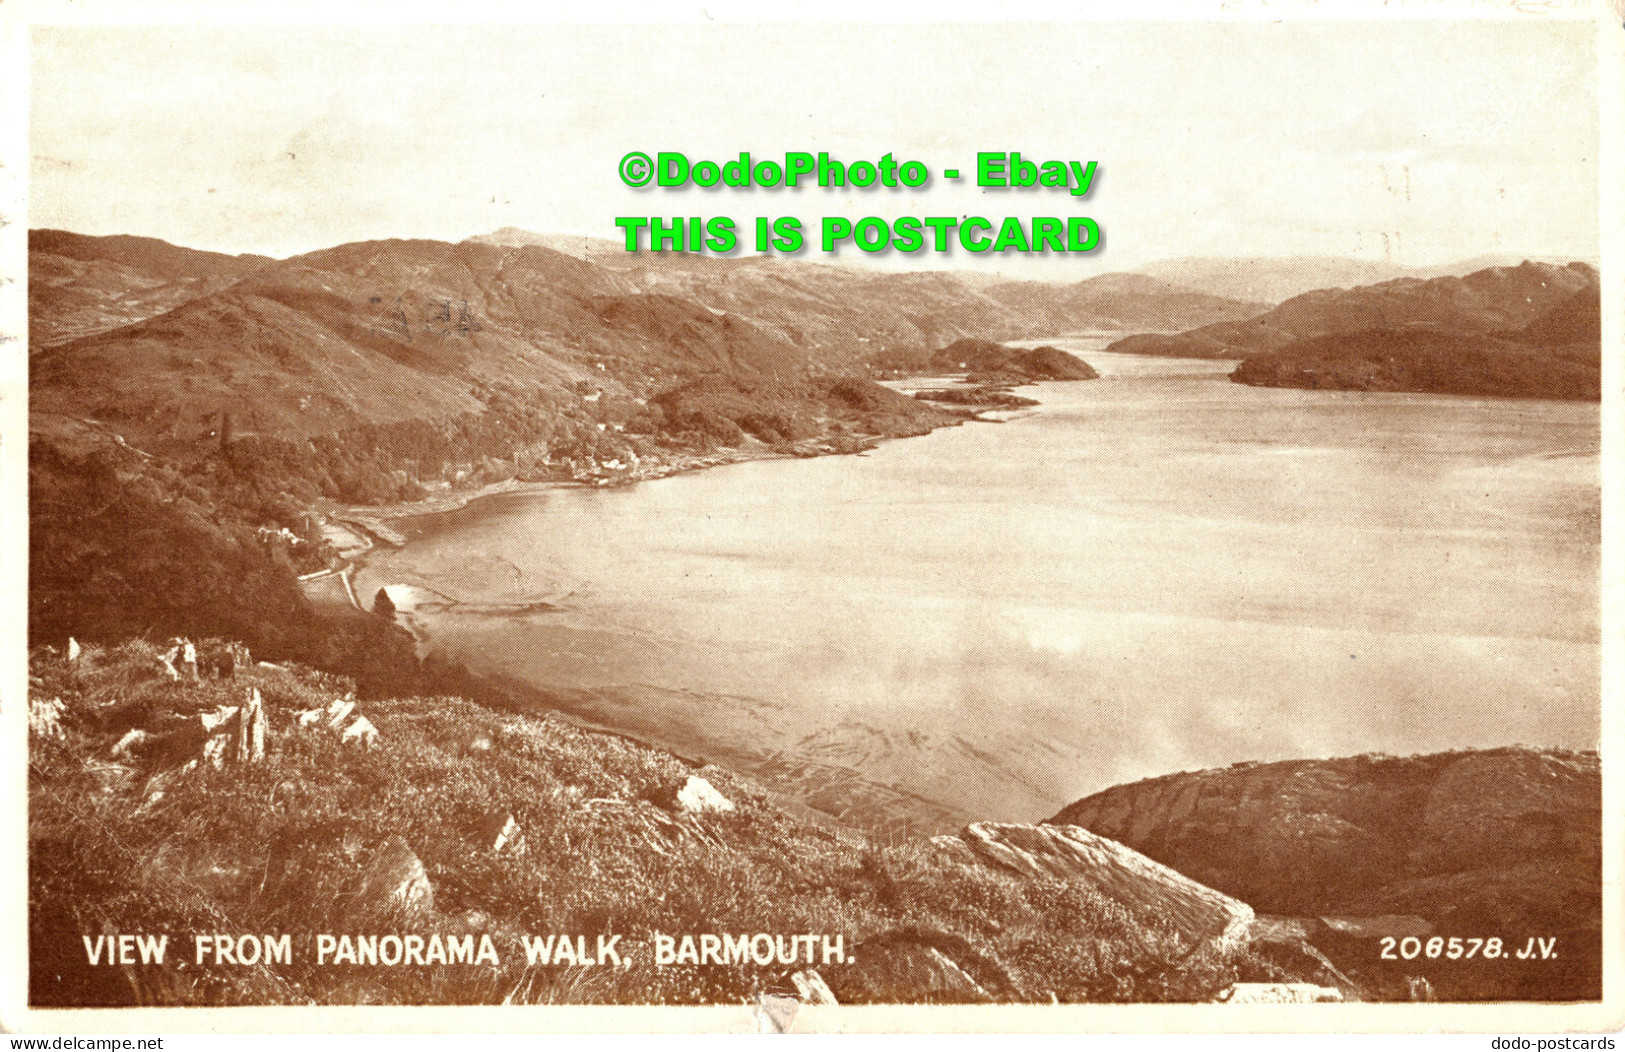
[(1456, 948)]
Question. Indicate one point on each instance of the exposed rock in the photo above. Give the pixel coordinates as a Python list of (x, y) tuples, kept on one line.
[(395, 880), (1281, 929), (1279, 994), (215, 719), (775, 1013), (45, 718), (341, 716), (339, 712), (697, 794), (131, 740), (251, 725), (73, 651), (918, 967), (499, 830), (1074, 854), (181, 660), (215, 749), (1310, 837), (954, 847), (811, 988), (361, 732)]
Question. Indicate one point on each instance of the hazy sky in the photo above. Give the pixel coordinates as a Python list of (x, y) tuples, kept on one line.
[(1421, 142)]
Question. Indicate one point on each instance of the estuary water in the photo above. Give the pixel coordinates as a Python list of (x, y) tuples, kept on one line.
[(1155, 571)]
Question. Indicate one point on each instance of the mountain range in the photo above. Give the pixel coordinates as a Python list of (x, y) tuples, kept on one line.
[(164, 343), (1273, 279)]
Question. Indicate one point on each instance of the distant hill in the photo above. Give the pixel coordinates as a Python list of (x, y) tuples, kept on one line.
[(903, 309), (1423, 361), (410, 332), (581, 246), (984, 361), (80, 285), (1532, 330), (1122, 301), (1575, 320), (1273, 279), (168, 345)]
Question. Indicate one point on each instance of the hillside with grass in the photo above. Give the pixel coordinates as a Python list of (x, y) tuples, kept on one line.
[(270, 801)]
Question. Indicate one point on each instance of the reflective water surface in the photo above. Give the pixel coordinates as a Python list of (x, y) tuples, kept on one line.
[(1154, 571)]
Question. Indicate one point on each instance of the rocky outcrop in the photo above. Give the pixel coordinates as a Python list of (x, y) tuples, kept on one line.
[(45, 718), (499, 830), (251, 725), (229, 732), (697, 795), (910, 966), (1310, 837), (1201, 914), (811, 988), (340, 717), (1501, 842), (395, 880), (180, 661), (1279, 994)]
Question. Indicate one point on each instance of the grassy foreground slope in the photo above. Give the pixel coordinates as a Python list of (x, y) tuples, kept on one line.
[(125, 837)]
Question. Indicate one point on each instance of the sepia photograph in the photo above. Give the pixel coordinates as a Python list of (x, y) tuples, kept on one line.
[(809, 515)]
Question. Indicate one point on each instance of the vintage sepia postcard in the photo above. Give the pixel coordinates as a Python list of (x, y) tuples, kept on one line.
[(679, 519)]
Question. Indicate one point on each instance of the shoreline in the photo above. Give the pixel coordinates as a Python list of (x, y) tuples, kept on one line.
[(621, 713), (372, 526), (373, 521)]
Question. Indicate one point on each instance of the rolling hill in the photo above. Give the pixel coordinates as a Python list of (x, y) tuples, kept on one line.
[(1274, 279), (1532, 330), (205, 396)]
